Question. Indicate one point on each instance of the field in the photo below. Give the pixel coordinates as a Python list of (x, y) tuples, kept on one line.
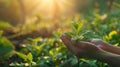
[(34, 40)]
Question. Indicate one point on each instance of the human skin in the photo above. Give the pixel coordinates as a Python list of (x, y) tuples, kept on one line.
[(84, 49), (106, 46)]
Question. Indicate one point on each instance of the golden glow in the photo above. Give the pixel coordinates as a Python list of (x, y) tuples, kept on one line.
[(56, 8)]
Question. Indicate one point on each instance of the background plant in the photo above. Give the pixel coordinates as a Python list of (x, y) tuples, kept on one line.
[(37, 44)]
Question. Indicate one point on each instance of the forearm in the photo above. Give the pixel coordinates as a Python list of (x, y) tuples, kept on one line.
[(110, 58)]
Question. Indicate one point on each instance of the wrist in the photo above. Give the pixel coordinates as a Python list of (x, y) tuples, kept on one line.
[(105, 56)]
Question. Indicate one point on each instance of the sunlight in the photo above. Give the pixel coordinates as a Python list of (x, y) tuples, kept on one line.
[(47, 2), (56, 8)]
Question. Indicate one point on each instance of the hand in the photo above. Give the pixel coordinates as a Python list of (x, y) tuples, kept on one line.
[(105, 46), (81, 49), (101, 44)]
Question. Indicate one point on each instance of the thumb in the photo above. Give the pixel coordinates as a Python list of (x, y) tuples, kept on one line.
[(67, 42)]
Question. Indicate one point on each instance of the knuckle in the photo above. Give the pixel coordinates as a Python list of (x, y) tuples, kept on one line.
[(96, 41)]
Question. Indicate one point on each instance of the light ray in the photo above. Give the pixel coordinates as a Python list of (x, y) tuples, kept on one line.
[(56, 8)]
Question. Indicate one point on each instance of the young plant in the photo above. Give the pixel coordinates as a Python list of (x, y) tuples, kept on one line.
[(79, 32)]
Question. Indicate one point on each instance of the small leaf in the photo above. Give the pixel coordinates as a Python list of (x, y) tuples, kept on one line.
[(30, 57), (21, 55), (112, 33)]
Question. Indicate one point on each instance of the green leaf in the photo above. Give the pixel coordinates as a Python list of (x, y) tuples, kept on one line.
[(30, 57), (6, 48), (21, 55)]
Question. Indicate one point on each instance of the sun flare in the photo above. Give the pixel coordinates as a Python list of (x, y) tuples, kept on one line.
[(56, 8)]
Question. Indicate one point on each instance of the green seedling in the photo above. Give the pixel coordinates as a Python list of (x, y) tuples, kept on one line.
[(79, 34)]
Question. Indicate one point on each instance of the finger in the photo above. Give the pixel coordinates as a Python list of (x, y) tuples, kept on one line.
[(80, 44), (98, 42), (84, 45), (65, 39), (67, 42)]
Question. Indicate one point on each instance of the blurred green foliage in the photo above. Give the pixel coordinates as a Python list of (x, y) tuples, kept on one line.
[(99, 21), (51, 52), (6, 48), (4, 25)]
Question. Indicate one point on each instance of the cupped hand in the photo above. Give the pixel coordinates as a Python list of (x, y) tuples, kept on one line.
[(81, 49), (101, 44)]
